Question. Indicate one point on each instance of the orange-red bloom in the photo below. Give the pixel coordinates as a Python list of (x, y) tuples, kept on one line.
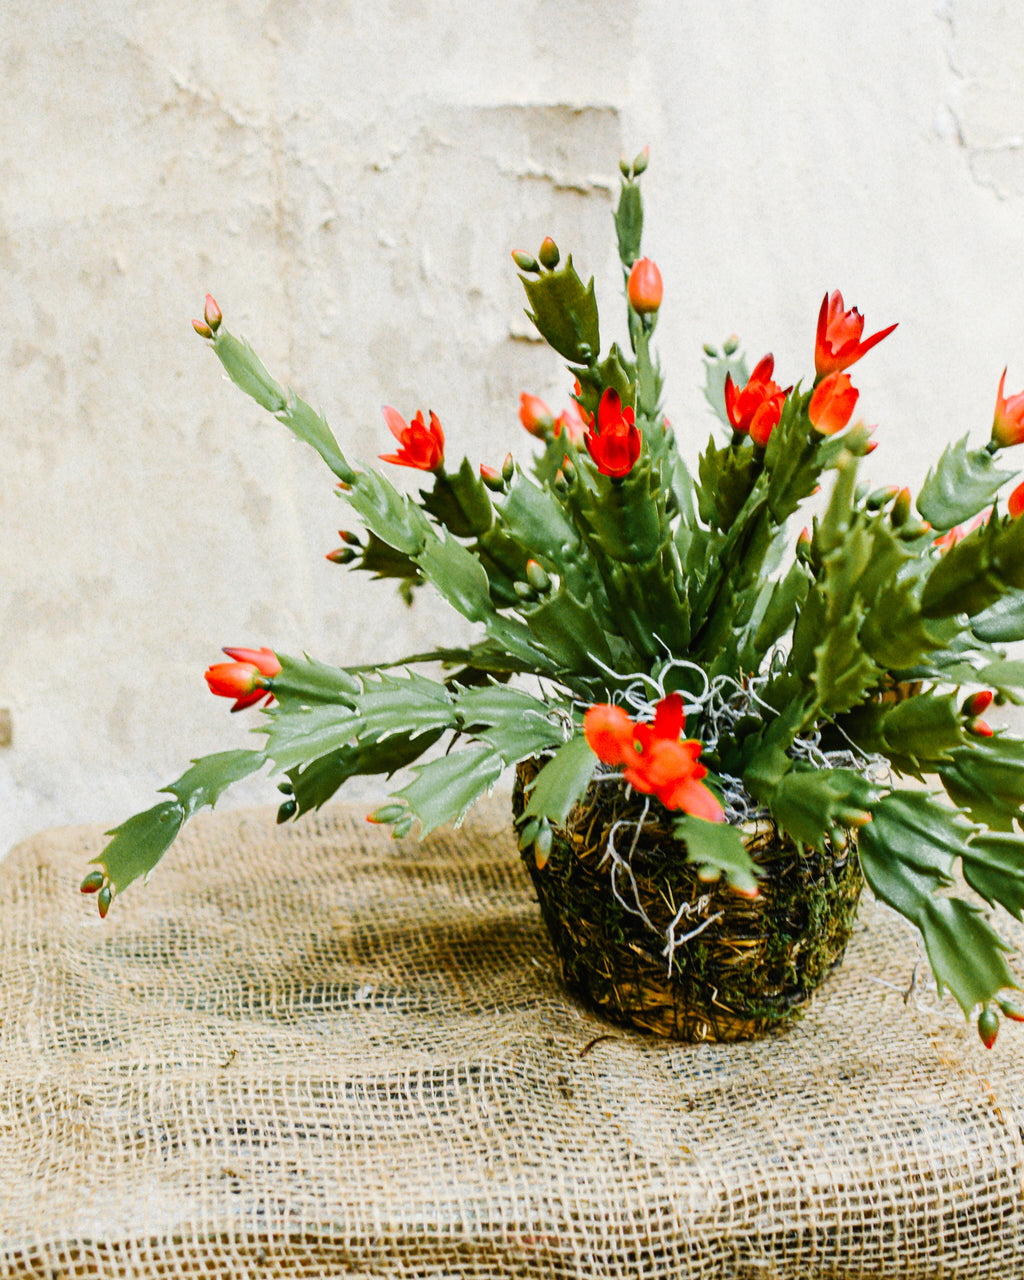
[(838, 343), (756, 408), (653, 759), (614, 443), (420, 446), (535, 416), (832, 403), (644, 287), (1015, 502), (244, 679), (1008, 421)]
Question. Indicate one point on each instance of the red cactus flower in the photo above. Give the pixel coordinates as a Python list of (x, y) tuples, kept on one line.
[(614, 443), (535, 416), (1015, 502), (644, 287), (609, 731), (420, 446), (1008, 421), (654, 760), (832, 403), (756, 408), (245, 679), (838, 343)]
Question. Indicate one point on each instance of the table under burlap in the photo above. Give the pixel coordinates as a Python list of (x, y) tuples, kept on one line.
[(307, 1051)]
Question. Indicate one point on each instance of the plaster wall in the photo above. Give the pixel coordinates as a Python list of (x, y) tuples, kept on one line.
[(348, 179)]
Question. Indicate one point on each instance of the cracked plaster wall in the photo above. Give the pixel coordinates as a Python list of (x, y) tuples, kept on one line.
[(348, 181)]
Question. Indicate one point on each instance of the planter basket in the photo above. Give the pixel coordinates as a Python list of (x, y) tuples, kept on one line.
[(642, 939)]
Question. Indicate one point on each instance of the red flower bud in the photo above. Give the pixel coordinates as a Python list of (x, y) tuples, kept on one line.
[(246, 679), (645, 287), (977, 703), (93, 882), (900, 513), (525, 261), (549, 254), (535, 416), (1011, 1011), (202, 328), (988, 1026), (212, 313), (832, 403)]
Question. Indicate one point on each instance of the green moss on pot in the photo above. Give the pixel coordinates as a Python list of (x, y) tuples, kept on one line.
[(753, 964)]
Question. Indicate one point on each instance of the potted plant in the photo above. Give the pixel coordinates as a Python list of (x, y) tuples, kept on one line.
[(717, 729)]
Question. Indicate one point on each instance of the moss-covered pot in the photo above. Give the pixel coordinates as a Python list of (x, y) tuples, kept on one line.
[(748, 967)]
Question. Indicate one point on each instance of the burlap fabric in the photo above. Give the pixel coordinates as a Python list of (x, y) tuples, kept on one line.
[(309, 1052)]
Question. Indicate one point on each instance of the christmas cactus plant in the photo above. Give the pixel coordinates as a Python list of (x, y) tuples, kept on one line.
[(618, 598)]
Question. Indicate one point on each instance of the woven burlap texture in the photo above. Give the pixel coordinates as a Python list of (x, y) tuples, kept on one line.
[(309, 1051)]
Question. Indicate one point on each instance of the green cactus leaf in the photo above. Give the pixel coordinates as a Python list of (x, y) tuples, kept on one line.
[(894, 633), (139, 844), (311, 427), (614, 371), (443, 789), (629, 223), (962, 483), (313, 784), (717, 848), (569, 630), (561, 782), (971, 576), (907, 852), (245, 369), (727, 477), (916, 734), (383, 561), (388, 706), (565, 313), (993, 865), (986, 778), (458, 575), (809, 803), (514, 723), (210, 776), (537, 522), (393, 517), (304, 680), (460, 502), (843, 671), (782, 600), (792, 458), (1003, 621)]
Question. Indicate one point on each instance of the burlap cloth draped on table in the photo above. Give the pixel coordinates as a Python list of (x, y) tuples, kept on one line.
[(307, 1051)]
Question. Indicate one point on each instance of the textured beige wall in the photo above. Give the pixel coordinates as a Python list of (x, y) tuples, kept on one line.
[(348, 180)]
